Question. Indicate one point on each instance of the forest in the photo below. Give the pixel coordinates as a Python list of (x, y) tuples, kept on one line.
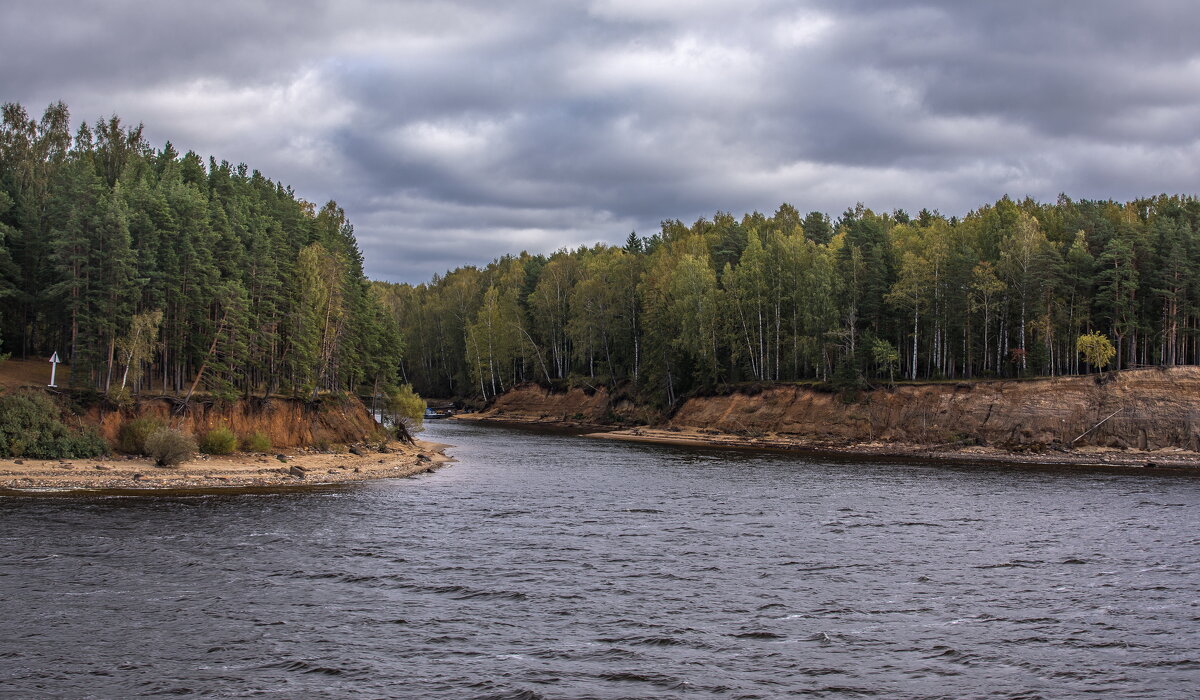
[(150, 270), (861, 300)]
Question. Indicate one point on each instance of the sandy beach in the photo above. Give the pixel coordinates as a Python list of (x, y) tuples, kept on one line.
[(293, 467)]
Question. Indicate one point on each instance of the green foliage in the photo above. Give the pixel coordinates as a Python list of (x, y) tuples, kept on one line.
[(170, 447), (494, 339), (256, 442), (406, 407), (138, 345), (1003, 291), (151, 270), (847, 379), (133, 434), (120, 396), (885, 357), (218, 441), (31, 426), (1096, 349), (223, 393)]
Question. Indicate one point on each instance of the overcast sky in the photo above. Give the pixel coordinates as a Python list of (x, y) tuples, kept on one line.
[(454, 132)]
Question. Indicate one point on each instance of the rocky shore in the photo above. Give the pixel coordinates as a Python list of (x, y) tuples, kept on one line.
[(293, 467)]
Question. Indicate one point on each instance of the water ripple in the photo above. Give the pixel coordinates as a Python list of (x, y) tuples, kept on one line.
[(551, 566)]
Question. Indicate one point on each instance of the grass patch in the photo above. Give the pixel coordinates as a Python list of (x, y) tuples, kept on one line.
[(256, 442)]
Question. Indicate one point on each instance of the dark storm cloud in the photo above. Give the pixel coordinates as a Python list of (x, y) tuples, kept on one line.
[(456, 132)]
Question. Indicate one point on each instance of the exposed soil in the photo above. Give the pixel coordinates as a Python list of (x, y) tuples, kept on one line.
[(535, 404), (1131, 417), (1164, 458), (297, 468), (289, 424), (286, 422)]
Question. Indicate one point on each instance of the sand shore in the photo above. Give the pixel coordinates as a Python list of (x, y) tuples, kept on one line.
[(1167, 458), (298, 467)]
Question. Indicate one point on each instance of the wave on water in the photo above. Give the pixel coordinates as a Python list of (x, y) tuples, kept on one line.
[(508, 576)]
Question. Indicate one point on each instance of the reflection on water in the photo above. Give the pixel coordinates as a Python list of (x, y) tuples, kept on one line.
[(546, 565)]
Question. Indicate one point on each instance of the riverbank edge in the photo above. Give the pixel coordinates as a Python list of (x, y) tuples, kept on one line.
[(1173, 459), (297, 468), (1168, 458)]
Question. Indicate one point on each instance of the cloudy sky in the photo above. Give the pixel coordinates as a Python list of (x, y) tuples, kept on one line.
[(455, 131)]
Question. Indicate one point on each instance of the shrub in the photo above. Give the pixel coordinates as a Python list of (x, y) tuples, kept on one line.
[(120, 396), (257, 442), (31, 426), (169, 447), (1096, 349), (407, 407), (75, 444), (132, 438), (218, 441)]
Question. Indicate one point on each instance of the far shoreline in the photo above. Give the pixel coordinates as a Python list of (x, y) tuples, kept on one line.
[(1167, 460)]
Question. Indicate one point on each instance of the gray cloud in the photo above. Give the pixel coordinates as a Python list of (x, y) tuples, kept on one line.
[(455, 132)]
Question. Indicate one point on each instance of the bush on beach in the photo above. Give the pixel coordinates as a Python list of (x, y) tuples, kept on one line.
[(218, 441), (132, 438), (169, 447), (31, 426), (257, 442)]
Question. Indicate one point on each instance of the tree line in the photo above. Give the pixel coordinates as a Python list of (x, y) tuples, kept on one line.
[(1005, 291), (151, 270)]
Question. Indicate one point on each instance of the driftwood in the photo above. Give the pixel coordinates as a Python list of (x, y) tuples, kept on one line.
[(1098, 424)]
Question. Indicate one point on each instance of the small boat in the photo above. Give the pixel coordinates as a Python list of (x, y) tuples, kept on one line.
[(431, 414)]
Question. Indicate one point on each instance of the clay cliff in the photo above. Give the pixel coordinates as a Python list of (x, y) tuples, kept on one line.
[(532, 403), (286, 422), (1145, 408)]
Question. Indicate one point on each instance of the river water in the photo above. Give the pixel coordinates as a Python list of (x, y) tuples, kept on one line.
[(544, 565)]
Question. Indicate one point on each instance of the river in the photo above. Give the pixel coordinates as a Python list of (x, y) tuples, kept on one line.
[(548, 565)]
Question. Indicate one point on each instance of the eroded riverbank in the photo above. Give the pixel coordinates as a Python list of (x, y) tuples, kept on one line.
[(1088, 456), (1166, 458), (1135, 418)]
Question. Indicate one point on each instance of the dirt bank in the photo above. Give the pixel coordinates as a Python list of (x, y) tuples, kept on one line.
[(1145, 409), (1088, 456), (297, 468), (531, 403), (1146, 412), (286, 422)]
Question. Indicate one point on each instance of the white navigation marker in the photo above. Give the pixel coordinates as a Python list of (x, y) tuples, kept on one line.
[(54, 368)]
